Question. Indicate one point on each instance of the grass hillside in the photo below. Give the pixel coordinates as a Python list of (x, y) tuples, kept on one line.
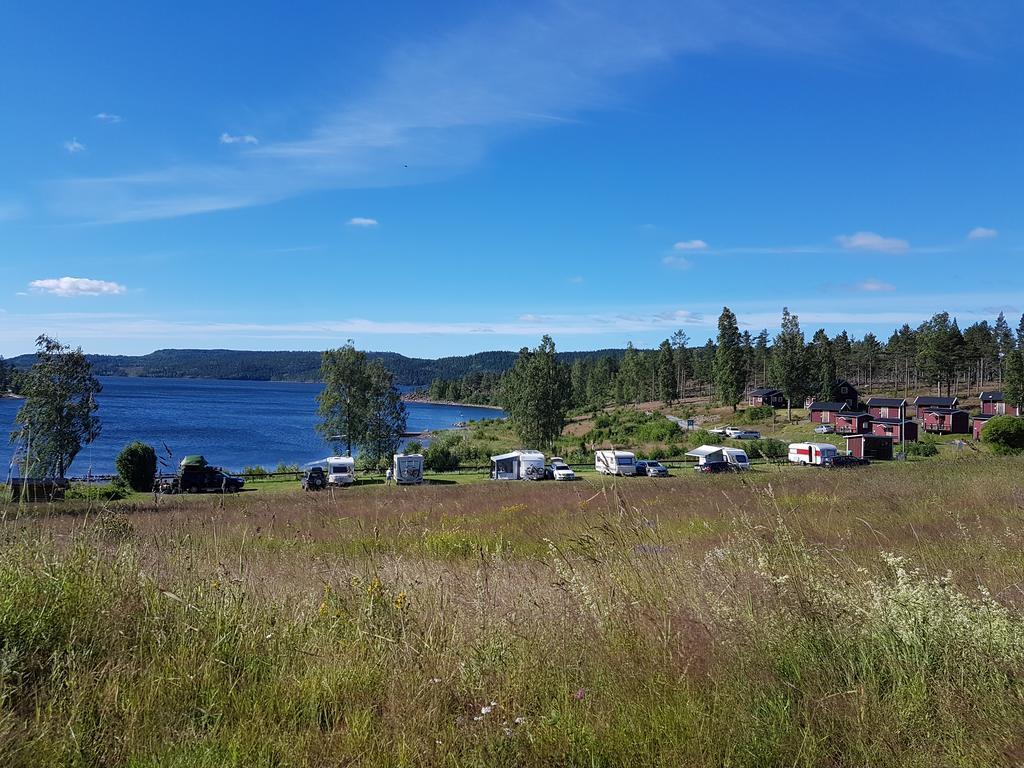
[(789, 616)]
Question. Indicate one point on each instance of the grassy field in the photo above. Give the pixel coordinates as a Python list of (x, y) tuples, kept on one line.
[(788, 616)]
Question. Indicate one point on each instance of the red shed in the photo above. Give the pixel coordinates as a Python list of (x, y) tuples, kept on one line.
[(993, 404), (825, 413), (946, 421), (979, 422), (869, 447), (852, 423), (887, 407), (895, 429)]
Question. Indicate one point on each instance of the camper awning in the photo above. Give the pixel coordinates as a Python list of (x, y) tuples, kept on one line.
[(506, 456), (704, 451)]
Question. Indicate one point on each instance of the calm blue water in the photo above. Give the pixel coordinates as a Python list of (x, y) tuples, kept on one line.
[(233, 423)]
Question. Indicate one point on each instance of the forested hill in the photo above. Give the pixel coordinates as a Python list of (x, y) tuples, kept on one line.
[(296, 366)]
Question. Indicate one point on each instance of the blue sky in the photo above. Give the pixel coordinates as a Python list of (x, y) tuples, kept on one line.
[(448, 180)]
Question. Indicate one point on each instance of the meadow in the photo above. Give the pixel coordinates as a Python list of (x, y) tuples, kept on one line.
[(788, 616)]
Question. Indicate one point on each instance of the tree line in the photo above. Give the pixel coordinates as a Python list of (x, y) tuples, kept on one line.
[(936, 355)]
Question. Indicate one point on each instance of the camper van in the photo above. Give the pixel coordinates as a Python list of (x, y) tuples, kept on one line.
[(518, 465), (341, 470), (817, 454), (407, 468), (719, 458), (615, 462)]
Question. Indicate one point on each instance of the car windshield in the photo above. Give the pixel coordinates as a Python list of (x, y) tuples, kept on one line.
[(653, 464)]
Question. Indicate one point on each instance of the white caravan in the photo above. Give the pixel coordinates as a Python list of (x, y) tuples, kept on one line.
[(407, 468), (818, 454), (615, 462), (737, 457), (518, 465), (341, 470)]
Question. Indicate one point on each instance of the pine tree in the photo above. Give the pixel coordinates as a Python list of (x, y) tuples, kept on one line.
[(667, 382), (729, 371), (683, 361), (1004, 341), (823, 363), (1013, 384), (789, 361), (536, 394)]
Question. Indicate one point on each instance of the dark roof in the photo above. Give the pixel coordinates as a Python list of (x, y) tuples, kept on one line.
[(887, 402), (853, 415), (982, 416), (866, 437), (947, 411), (828, 406), (765, 392), (992, 396), (891, 421), (942, 402)]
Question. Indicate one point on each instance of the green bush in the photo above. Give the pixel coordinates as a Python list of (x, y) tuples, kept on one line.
[(86, 492), (768, 448), (257, 471), (760, 413), (928, 446), (1005, 434), (136, 466), (283, 468)]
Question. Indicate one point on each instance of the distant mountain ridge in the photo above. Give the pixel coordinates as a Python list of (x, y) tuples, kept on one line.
[(296, 366)]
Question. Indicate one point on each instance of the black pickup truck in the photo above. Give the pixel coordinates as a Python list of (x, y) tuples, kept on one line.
[(195, 475)]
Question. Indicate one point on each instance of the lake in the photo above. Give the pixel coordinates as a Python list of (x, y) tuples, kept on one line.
[(234, 424)]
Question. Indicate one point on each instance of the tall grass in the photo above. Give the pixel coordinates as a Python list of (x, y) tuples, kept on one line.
[(797, 619)]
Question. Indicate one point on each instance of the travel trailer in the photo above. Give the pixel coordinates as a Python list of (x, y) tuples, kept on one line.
[(407, 468), (341, 470), (817, 454), (615, 462), (518, 465), (737, 457)]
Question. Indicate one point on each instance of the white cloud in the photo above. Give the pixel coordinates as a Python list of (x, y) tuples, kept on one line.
[(676, 262), (436, 107), (77, 286), (248, 138), (982, 233), (690, 245), (362, 221), (870, 241), (107, 117), (74, 146), (873, 286)]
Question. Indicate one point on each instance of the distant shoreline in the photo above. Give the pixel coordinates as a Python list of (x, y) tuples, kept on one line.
[(408, 398)]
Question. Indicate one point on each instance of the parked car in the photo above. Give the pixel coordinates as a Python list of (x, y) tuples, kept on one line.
[(314, 479), (743, 434), (559, 470), (651, 469), (824, 429), (714, 467), (720, 431), (849, 461), (195, 475)]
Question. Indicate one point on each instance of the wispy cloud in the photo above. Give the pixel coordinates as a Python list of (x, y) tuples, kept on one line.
[(76, 286), (10, 210), (107, 117), (874, 286), (676, 262), (362, 221), (690, 245), (74, 146), (870, 241), (438, 106), (982, 233), (248, 138)]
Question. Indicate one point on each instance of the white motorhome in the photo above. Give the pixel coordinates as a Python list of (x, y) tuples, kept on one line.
[(341, 470), (407, 468), (518, 465), (615, 462), (708, 454), (817, 454)]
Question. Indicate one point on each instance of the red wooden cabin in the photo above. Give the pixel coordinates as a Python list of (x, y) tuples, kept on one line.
[(869, 447), (895, 429), (887, 407), (946, 421), (766, 396), (993, 404), (825, 413), (852, 423), (978, 423), (928, 403)]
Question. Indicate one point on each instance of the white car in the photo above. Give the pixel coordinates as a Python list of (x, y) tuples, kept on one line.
[(720, 431), (560, 470)]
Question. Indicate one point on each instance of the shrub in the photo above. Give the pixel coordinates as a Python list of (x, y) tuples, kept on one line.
[(413, 446), (439, 457), (136, 466), (929, 446), (85, 492), (256, 471), (283, 468), (760, 413), (1005, 434), (768, 448), (700, 437)]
